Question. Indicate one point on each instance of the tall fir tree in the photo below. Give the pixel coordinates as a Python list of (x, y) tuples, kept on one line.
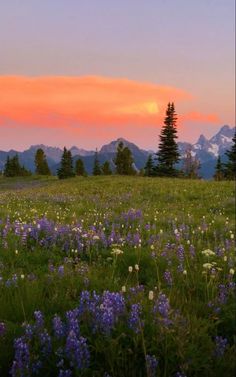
[(124, 160), (230, 165), (219, 170), (106, 170), (96, 165), (168, 154), (41, 164), (79, 168), (149, 167), (118, 160), (66, 168)]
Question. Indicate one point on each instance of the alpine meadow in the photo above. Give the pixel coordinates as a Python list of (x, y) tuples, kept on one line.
[(117, 188)]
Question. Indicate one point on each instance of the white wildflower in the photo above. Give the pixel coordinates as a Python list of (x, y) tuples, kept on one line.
[(150, 295)]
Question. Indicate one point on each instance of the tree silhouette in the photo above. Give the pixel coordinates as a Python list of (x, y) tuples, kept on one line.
[(124, 160), (168, 154), (106, 170), (66, 167), (79, 168), (96, 165), (41, 164)]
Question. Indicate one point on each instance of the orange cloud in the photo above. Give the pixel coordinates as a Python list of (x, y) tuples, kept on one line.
[(198, 117), (87, 100), (74, 102)]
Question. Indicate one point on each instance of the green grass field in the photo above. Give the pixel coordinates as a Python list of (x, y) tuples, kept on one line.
[(117, 276)]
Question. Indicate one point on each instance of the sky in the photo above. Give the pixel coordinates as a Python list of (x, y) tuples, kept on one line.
[(85, 72)]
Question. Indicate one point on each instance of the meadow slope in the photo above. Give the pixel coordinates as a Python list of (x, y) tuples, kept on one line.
[(117, 276)]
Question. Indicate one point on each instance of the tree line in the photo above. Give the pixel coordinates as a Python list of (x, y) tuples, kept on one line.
[(163, 164)]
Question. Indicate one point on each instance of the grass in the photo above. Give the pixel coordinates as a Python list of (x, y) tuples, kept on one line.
[(60, 238)]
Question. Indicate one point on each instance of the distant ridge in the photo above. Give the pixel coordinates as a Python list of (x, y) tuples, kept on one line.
[(206, 150)]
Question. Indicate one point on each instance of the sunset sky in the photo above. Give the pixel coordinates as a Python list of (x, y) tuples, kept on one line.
[(85, 72)]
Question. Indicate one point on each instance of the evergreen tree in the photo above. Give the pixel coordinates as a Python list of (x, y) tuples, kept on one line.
[(41, 164), (191, 165), (66, 168), (96, 165), (106, 170), (230, 166), (168, 154), (219, 170), (124, 160), (79, 168), (128, 162), (14, 169), (149, 167), (119, 158)]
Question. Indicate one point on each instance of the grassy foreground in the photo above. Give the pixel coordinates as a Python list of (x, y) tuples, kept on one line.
[(117, 276)]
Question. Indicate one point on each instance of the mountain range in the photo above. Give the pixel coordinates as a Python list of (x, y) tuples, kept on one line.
[(206, 150)]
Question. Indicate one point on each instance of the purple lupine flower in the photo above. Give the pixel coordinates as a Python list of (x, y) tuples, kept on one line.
[(72, 321), (168, 277), (223, 294), (134, 322), (220, 345), (39, 320), (192, 251), (112, 306), (61, 270), (58, 327), (36, 366), (162, 307), (180, 253), (45, 342), (77, 351), (152, 363), (2, 328), (29, 330), (21, 363), (65, 373)]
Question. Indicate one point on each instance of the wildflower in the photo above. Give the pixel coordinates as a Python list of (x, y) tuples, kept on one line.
[(22, 276), (2, 328), (207, 266), (231, 271), (162, 307), (208, 252), (21, 361), (61, 270), (123, 288), (152, 364), (130, 269), (16, 252), (58, 326), (134, 318), (220, 345), (136, 267), (225, 258), (168, 277), (117, 252), (150, 295), (65, 373), (77, 351)]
